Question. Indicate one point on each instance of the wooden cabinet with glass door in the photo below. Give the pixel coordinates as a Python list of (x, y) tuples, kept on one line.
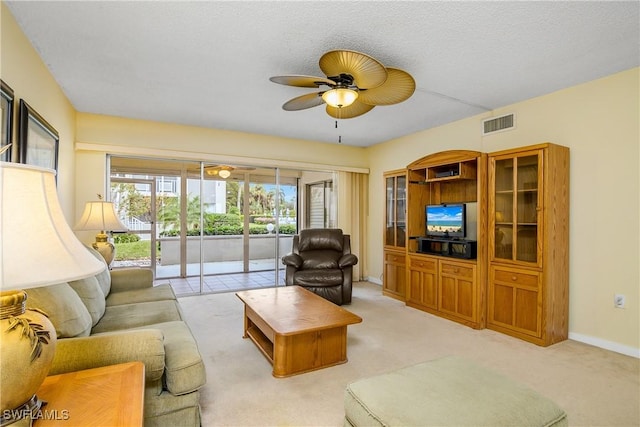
[(395, 235), (528, 283)]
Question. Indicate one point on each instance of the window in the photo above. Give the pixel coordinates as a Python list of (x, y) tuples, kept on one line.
[(318, 200)]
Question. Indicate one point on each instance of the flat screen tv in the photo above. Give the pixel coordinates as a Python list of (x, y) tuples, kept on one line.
[(446, 220)]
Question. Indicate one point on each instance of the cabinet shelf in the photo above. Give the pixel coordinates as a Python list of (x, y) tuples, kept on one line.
[(452, 171)]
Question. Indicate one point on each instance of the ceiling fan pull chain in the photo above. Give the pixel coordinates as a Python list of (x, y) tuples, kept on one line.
[(336, 124)]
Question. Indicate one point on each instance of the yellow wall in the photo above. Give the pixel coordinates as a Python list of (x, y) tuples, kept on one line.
[(122, 134), (23, 70), (599, 121)]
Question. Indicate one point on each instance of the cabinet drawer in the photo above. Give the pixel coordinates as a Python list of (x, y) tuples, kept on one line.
[(516, 277), (394, 258), (456, 270), (422, 264)]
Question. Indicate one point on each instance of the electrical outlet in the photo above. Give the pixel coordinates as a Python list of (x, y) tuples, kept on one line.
[(618, 301)]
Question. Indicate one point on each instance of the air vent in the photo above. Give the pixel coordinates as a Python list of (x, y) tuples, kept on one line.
[(498, 124)]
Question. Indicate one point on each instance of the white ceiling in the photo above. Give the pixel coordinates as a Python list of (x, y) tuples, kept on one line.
[(208, 63)]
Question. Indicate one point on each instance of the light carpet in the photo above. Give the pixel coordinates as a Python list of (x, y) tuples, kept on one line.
[(596, 387)]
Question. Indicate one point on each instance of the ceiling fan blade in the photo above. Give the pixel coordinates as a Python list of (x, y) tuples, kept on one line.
[(303, 102), (354, 110), (302, 81), (398, 88), (367, 72)]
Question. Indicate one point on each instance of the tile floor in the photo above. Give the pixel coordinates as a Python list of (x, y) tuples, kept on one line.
[(223, 282)]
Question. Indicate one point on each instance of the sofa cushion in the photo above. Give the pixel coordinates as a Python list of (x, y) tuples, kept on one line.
[(320, 259), (167, 409), (127, 316), (154, 293), (64, 307), (90, 293), (320, 239), (322, 277), (145, 345), (104, 277), (130, 278), (184, 368)]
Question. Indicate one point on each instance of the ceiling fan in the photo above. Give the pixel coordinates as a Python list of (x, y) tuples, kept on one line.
[(224, 171), (356, 83)]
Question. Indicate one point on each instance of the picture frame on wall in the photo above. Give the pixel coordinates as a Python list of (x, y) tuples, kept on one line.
[(37, 139), (6, 116)]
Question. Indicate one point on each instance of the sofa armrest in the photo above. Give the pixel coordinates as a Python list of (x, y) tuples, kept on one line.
[(127, 279), (292, 260), (347, 260), (145, 345)]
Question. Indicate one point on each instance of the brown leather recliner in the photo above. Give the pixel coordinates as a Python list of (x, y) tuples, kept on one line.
[(321, 261)]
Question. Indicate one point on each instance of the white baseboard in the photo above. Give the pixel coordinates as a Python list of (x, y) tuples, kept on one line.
[(607, 345), (374, 280)]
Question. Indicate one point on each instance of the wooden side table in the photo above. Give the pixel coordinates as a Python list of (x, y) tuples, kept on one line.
[(107, 396)]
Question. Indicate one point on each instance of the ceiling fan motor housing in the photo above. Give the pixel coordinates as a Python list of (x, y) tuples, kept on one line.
[(343, 80)]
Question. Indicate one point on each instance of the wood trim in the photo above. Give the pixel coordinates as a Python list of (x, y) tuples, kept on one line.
[(443, 157)]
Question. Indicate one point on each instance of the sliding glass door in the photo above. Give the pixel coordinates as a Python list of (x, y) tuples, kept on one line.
[(205, 225)]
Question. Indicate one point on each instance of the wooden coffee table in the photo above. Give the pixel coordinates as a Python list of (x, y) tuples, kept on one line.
[(297, 330)]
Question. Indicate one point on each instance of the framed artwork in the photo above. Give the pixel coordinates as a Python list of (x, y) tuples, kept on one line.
[(38, 140), (6, 110)]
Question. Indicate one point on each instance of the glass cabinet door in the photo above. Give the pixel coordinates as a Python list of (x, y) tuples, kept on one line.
[(395, 210), (401, 210), (527, 209), (503, 214), (516, 208), (389, 239)]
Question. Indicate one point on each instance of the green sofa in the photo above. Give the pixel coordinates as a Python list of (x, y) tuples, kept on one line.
[(118, 316)]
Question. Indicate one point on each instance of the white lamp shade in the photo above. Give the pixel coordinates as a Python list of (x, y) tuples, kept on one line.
[(100, 215), (37, 246), (340, 97)]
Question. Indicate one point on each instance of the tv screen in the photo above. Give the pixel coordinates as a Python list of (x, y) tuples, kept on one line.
[(447, 220)]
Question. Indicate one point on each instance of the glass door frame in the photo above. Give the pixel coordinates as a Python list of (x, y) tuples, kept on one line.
[(153, 232)]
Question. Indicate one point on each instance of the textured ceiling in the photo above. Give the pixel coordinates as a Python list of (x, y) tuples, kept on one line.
[(208, 63)]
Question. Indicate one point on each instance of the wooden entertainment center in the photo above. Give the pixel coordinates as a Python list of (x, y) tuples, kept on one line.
[(516, 280)]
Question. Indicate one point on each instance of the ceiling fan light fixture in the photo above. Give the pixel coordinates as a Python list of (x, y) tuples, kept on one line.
[(222, 171), (340, 97)]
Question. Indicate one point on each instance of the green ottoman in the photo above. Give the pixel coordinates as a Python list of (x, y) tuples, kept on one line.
[(447, 392)]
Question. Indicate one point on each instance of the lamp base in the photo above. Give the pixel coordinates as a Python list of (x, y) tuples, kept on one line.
[(24, 415), (105, 247), (27, 346)]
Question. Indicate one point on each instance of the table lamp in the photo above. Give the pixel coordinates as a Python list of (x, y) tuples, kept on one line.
[(37, 248), (101, 215)]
